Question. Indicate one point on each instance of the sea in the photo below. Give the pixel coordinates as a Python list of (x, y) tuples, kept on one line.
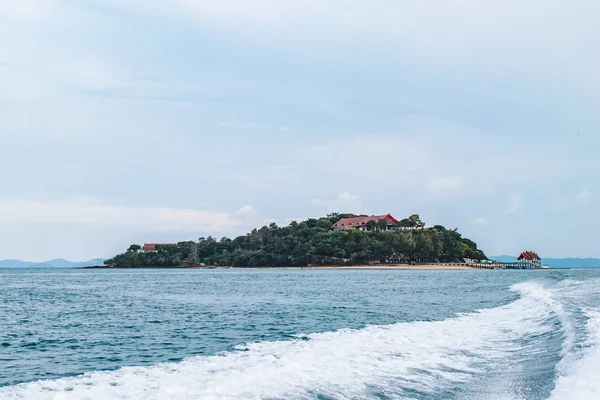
[(299, 334)]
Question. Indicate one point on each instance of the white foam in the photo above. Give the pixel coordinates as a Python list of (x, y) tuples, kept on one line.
[(540, 293), (582, 379), (421, 356)]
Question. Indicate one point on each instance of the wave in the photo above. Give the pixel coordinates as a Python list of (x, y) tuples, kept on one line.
[(540, 293), (404, 360), (580, 379)]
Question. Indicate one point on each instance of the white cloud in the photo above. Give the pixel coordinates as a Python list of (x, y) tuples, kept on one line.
[(246, 210), (84, 228), (584, 196), (481, 221), (342, 137), (449, 31), (419, 162), (344, 202), (93, 214), (514, 204), (370, 158), (445, 31)]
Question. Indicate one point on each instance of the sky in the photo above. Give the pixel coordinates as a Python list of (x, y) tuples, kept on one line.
[(132, 121)]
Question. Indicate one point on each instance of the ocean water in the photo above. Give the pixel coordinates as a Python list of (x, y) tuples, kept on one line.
[(299, 334)]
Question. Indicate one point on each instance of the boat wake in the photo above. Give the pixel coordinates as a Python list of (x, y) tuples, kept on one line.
[(579, 379), (539, 346)]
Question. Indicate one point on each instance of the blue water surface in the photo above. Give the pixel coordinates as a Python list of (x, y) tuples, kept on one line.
[(60, 323)]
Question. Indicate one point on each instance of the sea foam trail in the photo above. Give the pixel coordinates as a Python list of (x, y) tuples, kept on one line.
[(397, 361), (540, 293), (582, 378)]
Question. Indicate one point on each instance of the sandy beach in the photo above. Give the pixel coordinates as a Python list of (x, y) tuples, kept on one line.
[(401, 267)]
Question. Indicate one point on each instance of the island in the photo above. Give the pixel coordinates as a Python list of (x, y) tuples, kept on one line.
[(340, 240)]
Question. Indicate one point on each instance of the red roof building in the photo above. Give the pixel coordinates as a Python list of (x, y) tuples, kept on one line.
[(365, 223), (151, 247), (529, 256)]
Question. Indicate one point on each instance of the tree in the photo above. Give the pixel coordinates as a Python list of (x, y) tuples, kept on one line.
[(193, 258), (372, 225), (415, 220), (134, 248), (382, 225), (311, 242)]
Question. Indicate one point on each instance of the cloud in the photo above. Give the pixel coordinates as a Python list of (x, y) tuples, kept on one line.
[(453, 31), (514, 204), (447, 32), (96, 215), (418, 163), (344, 202), (84, 228), (584, 196), (246, 210), (481, 221), (418, 108)]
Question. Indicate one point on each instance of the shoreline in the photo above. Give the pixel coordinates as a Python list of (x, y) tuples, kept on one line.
[(399, 267), (402, 267)]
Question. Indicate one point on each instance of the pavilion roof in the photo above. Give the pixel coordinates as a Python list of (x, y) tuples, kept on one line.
[(529, 255)]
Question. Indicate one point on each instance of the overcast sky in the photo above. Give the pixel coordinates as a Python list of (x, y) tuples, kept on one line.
[(125, 121)]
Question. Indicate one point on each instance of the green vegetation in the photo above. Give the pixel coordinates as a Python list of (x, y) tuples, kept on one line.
[(311, 242)]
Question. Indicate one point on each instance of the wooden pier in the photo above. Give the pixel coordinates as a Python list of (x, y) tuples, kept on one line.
[(520, 264), (492, 265)]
